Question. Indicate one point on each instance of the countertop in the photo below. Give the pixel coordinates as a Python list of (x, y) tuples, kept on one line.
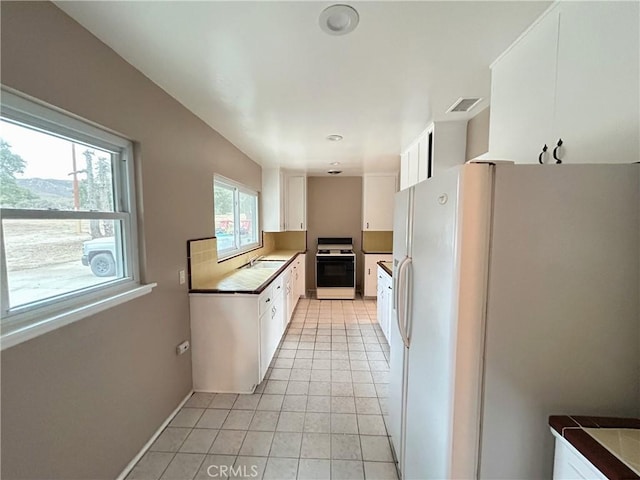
[(377, 252), (387, 267), (612, 445), (249, 280)]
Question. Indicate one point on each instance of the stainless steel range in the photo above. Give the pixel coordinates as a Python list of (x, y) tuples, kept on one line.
[(335, 268)]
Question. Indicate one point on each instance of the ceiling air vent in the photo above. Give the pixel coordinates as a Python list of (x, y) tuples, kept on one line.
[(464, 105)]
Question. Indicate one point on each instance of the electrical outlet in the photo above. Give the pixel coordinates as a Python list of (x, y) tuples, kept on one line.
[(183, 347), (182, 277)]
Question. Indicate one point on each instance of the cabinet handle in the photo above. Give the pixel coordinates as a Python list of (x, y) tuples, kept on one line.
[(279, 287), (301, 226), (268, 300), (369, 271), (367, 224), (555, 151), (544, 150)]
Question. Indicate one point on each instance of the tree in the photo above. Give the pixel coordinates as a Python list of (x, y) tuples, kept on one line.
[(222, 200), (12, 194), (96, 192)]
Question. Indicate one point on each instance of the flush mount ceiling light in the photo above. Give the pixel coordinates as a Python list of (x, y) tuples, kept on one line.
[(334, 138), (339, 19), (335, 163), (334, 172)]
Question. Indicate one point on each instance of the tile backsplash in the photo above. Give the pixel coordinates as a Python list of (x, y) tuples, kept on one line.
[(377, 241), (204, 264), (203, 255)]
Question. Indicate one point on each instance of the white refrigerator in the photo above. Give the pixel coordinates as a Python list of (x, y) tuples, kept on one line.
[(516, 296)]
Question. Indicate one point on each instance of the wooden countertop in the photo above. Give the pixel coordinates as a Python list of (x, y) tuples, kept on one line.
[(249, 280)]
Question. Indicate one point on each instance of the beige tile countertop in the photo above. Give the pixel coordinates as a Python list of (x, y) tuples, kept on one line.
[(610, 444), (249, 280), (387, 267), (624, 443)]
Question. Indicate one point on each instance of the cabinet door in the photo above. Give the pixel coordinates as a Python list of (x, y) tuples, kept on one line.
[(380, 295), (522, 95), (371, 272), (597, 99), (265, 342), (296, 203), (370, 275), (377, 208), (289, 295), (404, 171), (424, 156), (301, 283), (388, 309), (414, 163), (272, 198)]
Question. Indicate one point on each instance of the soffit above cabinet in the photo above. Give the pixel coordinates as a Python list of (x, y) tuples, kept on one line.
[(266, 77)]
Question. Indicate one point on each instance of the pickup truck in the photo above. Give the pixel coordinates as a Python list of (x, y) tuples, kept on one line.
[(100, 254)]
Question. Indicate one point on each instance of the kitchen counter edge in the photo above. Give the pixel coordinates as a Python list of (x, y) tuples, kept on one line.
[(571, 429), (385, 267), (258, 290)]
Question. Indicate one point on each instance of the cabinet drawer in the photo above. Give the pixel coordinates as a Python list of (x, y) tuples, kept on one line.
[(266, 299), (277, 286)]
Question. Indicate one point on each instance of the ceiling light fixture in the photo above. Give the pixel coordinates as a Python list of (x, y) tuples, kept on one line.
[(335, 163), (339, 19), (334, 138), (334, 172)]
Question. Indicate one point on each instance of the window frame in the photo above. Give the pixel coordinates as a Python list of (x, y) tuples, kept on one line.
[(72, 306), (237, 189)]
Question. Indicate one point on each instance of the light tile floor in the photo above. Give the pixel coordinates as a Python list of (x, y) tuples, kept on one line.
[(319, 413)]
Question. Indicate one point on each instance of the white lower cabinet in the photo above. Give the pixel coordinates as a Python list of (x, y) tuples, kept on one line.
[(299, 276), (569, 464), (272, 326), (234, 336), (385, 301), (371, 272), (290, 300)]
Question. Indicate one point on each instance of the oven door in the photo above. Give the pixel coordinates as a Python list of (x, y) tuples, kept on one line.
[(335, 271)]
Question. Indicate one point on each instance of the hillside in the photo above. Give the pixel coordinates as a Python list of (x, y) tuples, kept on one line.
[(51, 193)]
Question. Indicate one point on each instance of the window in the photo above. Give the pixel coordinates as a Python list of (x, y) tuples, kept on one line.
[(67, 208), (236, 217)]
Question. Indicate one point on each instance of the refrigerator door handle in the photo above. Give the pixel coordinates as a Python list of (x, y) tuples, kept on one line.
[(401, 302), (408, 300), (396, 284)]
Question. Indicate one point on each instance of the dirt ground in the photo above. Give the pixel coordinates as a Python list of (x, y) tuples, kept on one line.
[(35, 243)]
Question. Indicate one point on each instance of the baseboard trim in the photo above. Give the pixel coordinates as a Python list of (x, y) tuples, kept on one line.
[(153, 438)]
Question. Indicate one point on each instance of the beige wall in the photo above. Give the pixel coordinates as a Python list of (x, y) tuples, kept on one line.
[(81, 401), (478, 134), (334, 209)]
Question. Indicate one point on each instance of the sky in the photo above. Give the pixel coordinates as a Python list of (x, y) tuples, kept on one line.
[(46, 156)]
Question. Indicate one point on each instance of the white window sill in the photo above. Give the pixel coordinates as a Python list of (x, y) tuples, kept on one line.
[(11, 337)]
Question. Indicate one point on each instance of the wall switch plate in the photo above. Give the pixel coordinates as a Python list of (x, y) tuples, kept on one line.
[(183, 347), (182, 277)]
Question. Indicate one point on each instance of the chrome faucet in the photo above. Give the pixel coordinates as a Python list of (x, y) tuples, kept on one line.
[(254, 260)]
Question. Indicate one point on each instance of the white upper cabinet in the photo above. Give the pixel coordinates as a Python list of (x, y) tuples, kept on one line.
[(572, 76), (296, 195), (442, 145), (273, 200), (284, 200), (377, 202)]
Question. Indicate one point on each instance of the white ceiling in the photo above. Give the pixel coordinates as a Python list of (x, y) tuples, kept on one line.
[(268, 79)]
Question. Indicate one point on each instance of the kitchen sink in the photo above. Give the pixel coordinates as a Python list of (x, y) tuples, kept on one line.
[(271, 264)]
